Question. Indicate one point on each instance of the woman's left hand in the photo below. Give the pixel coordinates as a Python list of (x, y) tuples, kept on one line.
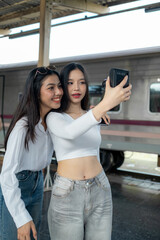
[(23, 232), (106, 118)]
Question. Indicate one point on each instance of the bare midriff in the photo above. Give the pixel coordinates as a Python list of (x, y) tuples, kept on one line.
[(79, 168)]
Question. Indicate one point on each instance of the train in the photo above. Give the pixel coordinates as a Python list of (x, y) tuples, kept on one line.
[(135, 124)]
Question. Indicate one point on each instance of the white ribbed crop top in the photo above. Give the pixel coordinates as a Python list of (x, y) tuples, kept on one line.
[(74, 138)]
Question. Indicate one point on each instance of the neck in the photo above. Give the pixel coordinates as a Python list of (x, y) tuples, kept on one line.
[(74, 108), (42, 115)]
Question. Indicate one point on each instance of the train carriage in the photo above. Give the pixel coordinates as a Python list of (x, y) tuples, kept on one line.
[(135, 125)]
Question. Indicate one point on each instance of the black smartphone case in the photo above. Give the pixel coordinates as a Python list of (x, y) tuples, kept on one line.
[(116, 76)]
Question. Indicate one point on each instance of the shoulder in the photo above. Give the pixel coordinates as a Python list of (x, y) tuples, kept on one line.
[(18, 133), (22, 122), (54, 115), (55, 119), (20, 126)]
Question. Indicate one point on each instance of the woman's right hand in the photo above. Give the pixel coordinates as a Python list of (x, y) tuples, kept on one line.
[(116, 95), (112, 97), (23, 233)]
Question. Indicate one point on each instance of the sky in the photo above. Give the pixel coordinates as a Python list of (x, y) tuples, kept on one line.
[(123, 31)]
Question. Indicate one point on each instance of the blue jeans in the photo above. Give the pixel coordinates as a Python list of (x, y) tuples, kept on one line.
[(80, 209), (31, 185)]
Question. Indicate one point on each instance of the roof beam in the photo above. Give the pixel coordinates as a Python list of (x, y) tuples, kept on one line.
[(14, 5), (21, 14), (82, 5), (118, 2), (5, 31), (25, 17)]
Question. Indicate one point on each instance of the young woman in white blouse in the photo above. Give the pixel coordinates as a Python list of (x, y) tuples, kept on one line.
[(81, 202), (28, 150)]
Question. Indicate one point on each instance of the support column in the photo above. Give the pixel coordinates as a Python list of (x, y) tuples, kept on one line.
[(158, 162), (45, 27)]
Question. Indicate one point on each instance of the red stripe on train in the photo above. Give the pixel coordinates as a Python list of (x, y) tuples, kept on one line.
[(119, 121), (7, 116), (135, 122)]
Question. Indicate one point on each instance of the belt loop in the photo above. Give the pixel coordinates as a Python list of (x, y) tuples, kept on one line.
[(37, 174), (72, 186), (55, 175), (97, 181)]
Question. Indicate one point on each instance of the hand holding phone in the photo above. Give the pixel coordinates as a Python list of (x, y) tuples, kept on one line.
[(116, 76)]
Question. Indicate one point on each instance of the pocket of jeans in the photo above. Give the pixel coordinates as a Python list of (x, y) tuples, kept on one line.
[(61, 189), (104, 183), (23, 175)]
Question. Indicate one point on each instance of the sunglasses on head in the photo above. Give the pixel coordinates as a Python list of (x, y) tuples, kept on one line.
[(43, 71)]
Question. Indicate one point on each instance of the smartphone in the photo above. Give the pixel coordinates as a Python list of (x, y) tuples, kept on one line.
[(116, 76)]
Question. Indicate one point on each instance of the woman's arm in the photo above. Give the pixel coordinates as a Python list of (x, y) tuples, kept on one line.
[(60, 126), (9, 182)]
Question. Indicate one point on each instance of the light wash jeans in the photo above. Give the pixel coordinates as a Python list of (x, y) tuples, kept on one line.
[(31, 185), (80, 210)]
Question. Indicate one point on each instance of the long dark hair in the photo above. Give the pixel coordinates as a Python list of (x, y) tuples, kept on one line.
[(29, 105), (64, 76)]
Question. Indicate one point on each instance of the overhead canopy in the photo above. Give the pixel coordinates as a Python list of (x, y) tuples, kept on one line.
[(16, 13)]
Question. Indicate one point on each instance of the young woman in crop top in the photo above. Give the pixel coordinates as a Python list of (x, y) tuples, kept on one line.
[(29, 149), (81, 204)]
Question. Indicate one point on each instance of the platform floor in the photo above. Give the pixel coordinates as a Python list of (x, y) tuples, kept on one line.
[(141, 162), (136, 208)]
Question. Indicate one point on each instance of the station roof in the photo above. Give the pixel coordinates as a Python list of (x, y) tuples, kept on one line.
[(16, 13)]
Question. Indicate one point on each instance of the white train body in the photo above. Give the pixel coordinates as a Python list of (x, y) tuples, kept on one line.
[(136, 125)]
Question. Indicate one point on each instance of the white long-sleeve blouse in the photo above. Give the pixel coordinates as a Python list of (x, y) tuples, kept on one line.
[(74, 137), (17, 158)]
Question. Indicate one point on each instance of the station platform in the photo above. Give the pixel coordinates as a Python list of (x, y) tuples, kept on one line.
[(136, 207), (136, 204)]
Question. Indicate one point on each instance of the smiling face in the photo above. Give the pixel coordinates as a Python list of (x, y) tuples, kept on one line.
[(50, 94), (76, 86)]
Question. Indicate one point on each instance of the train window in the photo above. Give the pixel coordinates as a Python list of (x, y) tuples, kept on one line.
[(154, 97), (96, 93), (96, 89)]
